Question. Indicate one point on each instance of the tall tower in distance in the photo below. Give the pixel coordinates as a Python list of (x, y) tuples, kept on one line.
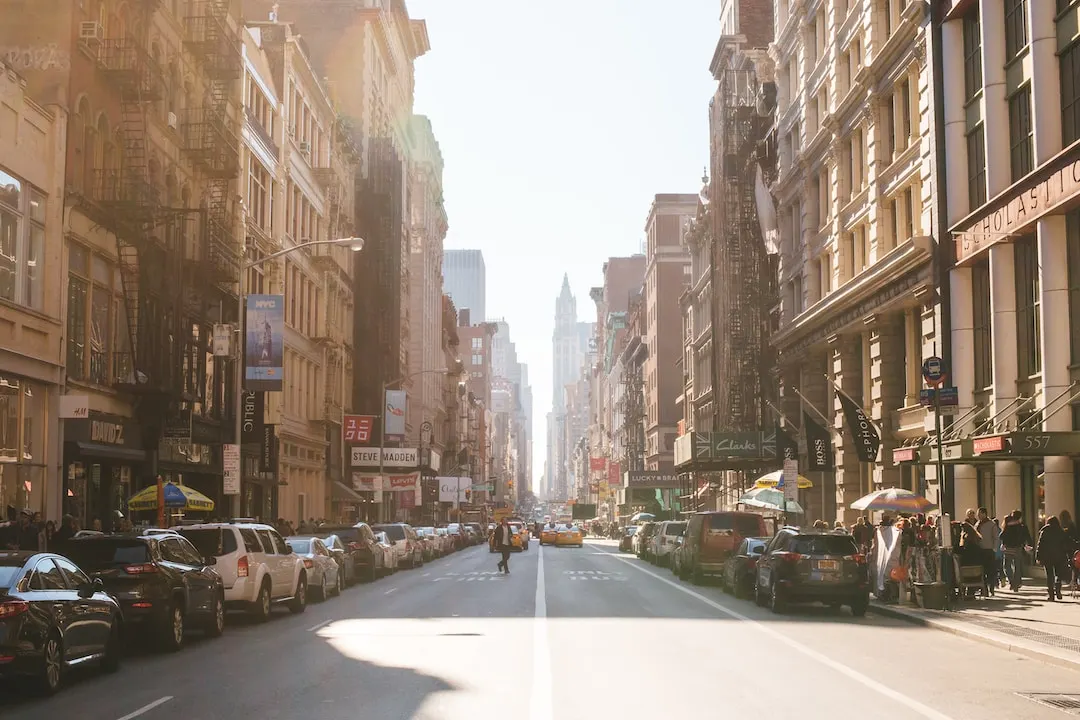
[(465, 281), (565, 346)]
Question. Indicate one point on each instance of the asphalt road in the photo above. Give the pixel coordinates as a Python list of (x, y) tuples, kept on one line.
[(571, 633)]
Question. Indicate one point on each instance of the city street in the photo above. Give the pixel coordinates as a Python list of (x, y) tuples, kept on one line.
[(571, 633)]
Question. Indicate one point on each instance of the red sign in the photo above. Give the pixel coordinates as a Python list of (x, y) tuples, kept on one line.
[(903, 455), (994, 443), (614, 474), (597, 464), (403, 482), (357, 429)]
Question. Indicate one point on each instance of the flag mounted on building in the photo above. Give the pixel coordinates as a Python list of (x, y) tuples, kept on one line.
[(818, 444), (787, 447), (862, 428)]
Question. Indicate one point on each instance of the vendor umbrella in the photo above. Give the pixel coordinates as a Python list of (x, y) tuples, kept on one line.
[(776, 479), (897, 500), (176, 496), (770, 499), (642, 517)]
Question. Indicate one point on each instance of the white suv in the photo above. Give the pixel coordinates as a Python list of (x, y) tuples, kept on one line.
[(256, 565)]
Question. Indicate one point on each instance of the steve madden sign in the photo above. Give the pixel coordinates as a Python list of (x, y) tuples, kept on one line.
[(391, 457)]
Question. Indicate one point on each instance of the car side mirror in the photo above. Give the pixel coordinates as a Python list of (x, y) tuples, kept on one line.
[(87, 590), (289, 549), (210, 560)]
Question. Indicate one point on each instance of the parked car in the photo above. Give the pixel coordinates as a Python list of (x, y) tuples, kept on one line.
[(255, 564), (162, 582), (677, 555), (426, 537), (52, 617), (459, 536), (804, 565), (741, 567), (712, 536), (359, 539), (663, 541), (405, 543), (344, 558), (324, 575), (386, 558), (446, 543), (626, 540), (642, 538), (477, 531)]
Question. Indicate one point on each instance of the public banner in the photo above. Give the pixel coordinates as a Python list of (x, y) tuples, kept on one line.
[(818, 444), (264, 345), (394, 415), (614, 474), (358, 429), (254, 404), (597, 464), (861, 427)]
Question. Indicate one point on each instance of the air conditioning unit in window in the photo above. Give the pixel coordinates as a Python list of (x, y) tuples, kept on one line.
[(305, 149), (91, 33), (173, 123)]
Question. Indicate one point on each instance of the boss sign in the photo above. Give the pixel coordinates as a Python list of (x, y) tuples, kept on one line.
[(358, 428)]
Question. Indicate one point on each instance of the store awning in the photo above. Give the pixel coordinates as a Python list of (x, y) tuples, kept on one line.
[(980, 449), (340, 492), (111, 451)]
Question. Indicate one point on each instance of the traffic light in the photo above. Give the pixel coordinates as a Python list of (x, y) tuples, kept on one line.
[(468, 495), (510, 484)]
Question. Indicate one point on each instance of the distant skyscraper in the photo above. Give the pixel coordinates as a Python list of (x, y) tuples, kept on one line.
[(465, 281), (569, 343)]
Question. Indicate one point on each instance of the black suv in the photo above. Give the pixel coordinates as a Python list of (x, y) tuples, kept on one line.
[(160, 581), (359, 539), (803, 565)]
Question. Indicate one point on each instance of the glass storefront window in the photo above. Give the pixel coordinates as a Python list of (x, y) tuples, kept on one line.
[(22, 443)]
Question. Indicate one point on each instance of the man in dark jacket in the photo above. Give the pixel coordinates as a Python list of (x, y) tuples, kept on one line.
[(1016, 539), (503, 543)]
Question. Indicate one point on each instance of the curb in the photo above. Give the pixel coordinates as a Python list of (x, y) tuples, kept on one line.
[(1031, 650)]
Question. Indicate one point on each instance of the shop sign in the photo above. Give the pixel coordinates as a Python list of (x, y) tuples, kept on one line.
[(1045, 444), (900, 455), (597, 464), (1017, 213), (651, 479), (252, 417), (720, 447), (268, 450), (994, 443), (391, 457), (104, 429), (177, 428), (358, 429), (74, 407)]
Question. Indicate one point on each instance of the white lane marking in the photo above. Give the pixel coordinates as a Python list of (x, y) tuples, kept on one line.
[(913, 704), (425, 574), (313, 628), (390, 591), (147, 708), (541, 680)]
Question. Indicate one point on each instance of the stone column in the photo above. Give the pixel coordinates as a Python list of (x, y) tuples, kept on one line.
[(1003, 312), (955, 125), (995, 108), (1056, 356), (1045, 81), (847, 373), (965, 486), (888, 351)]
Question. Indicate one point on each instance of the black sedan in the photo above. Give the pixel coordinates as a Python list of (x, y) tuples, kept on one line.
[(161, 582), (53, 617), (626, 540), (740, 568)]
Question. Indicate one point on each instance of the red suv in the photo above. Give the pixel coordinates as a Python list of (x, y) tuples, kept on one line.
[(712, 536)]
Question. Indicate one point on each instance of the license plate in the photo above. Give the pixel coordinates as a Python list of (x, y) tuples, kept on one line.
[(827, 564)]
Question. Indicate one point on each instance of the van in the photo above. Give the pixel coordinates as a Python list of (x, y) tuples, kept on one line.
[(712, 536)]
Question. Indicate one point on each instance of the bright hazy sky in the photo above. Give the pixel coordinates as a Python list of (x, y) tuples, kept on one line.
[(558, 122)]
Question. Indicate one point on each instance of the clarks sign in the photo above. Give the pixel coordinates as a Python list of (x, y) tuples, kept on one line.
[(1022, 209)]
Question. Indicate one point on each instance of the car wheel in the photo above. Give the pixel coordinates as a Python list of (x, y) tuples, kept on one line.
[(859, 607), (776, 600), (215, 624), (110, 663), (52, 665), (260, 609), (373, 572), (759, 597), (172, 629), (340, 585), (299, 602), (324, 588), (696, 576), (738, 589)]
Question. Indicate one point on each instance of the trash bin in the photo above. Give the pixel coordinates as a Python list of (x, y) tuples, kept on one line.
[(930, 596)]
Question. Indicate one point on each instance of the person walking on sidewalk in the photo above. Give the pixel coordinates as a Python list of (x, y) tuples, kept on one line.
[(502, 540), (1016, 539), (1072, 543), (1051, 553), (988, 541)]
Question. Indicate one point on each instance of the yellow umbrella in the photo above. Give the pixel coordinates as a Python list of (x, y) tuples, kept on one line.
[(773, 479), (176, 496)]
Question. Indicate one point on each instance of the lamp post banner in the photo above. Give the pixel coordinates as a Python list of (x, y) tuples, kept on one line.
[(264, 343), (394, 415)]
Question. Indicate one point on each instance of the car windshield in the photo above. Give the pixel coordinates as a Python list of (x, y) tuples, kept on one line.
[(382, 538), (397, 532), (824, 545), (211, 542), (97, 554), (301, 546), (632, 530), (676, 529)]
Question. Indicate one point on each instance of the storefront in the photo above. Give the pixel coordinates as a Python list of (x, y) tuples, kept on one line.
[(197, 464), (102, 458)]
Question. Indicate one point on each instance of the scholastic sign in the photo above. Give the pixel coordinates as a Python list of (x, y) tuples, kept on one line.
[(357, 429)]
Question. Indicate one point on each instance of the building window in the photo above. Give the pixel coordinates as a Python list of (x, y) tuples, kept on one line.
[(96, 326), (976, 159), (982, 339), (1016, 35), (1070, 93), (478, 343), (1021, 154), (1028, 300), (973, 79), (1072, 245), (477, 359), (260, 194), (22, 441), (22, 242)]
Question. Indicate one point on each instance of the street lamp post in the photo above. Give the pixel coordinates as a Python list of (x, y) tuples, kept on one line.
[(355, 244)]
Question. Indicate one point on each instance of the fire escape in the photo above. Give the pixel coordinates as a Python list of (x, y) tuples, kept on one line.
[(210, 140)]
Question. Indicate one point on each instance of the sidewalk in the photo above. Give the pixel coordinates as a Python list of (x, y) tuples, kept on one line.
[(1022, 622)]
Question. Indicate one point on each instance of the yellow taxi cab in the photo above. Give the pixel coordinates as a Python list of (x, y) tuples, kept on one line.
[(570, 535), (518, 531), (549, 534)]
